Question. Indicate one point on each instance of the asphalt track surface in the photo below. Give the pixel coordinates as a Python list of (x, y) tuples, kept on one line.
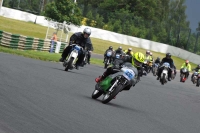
[(40, 97)]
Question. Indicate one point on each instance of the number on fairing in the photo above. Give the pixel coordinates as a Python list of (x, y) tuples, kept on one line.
[(129, 74), (109, 53), (77, 48)]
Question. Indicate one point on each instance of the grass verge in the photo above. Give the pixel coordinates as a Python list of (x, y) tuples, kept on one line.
[(45, 56)]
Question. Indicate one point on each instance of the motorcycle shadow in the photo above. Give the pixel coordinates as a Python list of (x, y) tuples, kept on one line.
[(115, 105)]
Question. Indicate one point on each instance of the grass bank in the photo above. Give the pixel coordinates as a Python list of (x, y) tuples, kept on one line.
[(45, 56)]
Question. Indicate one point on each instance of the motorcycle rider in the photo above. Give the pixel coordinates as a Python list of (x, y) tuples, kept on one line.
[(148, 56), (129, 52), (88, 54), (170, 61), (186, 65), (174, 69), (157, 61), (118, 51), (82, 39), (90, 49), (110, 48), (149, 61), (136, 60), (197, 69), (151, 56)]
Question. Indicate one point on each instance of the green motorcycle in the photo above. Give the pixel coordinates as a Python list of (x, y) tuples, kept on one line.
[(115, 83)]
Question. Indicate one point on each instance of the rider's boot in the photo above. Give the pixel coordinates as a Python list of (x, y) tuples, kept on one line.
[(100, 78), (61, 59)]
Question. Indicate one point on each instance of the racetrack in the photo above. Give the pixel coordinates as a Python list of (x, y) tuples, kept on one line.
[(40, 97)]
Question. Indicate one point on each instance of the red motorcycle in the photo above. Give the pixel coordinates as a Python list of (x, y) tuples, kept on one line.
[(183, 75)]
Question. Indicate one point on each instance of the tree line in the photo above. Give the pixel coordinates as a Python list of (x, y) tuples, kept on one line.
[(162, 21)]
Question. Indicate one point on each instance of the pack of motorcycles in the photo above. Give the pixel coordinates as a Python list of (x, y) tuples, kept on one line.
[(125, 77)]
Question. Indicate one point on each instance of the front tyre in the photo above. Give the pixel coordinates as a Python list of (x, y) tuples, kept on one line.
[(154, 71), (198, 82), (96, 93), (163, 80), (69, 64), (182, 78), (110, 95)]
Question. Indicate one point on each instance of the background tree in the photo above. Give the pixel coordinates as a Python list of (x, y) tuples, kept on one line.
[(63, 10)]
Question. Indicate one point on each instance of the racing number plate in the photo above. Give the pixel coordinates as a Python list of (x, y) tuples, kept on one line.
[(129, 74)]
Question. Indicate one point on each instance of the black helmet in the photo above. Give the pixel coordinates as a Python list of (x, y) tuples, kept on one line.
[(168, 55), (198, 66), (158, 58), (110, 47)]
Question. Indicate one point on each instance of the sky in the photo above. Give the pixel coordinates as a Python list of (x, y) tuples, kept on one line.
[(193, 13)]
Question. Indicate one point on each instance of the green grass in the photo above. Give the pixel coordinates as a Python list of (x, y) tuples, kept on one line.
[(38, 31), (45, 56)]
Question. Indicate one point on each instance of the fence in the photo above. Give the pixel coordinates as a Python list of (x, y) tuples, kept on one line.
[(27, 43)]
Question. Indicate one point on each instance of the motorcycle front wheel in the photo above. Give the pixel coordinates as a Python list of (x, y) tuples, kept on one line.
[(110, 95), (96, 93), (69, 64)]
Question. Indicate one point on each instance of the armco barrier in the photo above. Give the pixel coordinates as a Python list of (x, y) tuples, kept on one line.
[(26, 43)]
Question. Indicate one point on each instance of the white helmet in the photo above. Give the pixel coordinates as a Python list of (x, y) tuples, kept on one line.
[(129, 49), (87, 31)]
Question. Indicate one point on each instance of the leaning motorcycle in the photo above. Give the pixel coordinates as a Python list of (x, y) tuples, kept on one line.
[(173, 74), (108, 59), (164, 74), (147, 65), (155, 68), (198, 80), (195, 77), (85, 60), (115, 83), (183, 75), (69, 63)]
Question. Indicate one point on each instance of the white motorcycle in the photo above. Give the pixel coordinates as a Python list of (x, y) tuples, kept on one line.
[(164, 74), (69, 63), (108, 59)]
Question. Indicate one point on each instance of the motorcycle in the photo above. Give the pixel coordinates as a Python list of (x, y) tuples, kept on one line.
[(164, 74), (173, 74), (195, 77), (85, 60), (115, 83), (147, 66), (155, 68), (69, 63), (108, 59), (198, 80), (183, 74)]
